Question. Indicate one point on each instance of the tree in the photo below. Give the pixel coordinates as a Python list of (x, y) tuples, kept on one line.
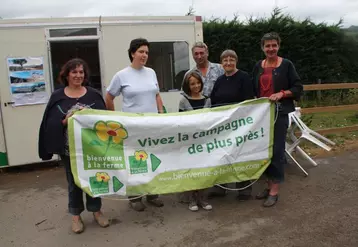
[(20, 61)]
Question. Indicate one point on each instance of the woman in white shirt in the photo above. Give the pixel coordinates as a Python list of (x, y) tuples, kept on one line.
[(139, 88)]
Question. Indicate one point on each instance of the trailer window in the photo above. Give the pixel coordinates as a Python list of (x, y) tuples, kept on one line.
[(70, 32), (170, 61), (88, 50)]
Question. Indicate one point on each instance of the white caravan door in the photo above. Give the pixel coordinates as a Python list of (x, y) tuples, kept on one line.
[(24, 90)]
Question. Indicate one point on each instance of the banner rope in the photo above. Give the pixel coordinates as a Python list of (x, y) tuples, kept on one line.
[(123, 199)]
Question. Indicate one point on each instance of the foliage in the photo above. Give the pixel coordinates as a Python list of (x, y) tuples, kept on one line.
[(319, 51), (20, 61)]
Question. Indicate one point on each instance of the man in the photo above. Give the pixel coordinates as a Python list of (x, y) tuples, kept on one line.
[(208, 71)]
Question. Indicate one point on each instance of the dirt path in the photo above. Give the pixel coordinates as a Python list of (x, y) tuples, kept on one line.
[(320, 210)]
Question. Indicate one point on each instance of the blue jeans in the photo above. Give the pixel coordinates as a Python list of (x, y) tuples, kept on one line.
[(75, 194)]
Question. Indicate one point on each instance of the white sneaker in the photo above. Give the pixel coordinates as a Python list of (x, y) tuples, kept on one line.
[(193, 206), (206, 206)]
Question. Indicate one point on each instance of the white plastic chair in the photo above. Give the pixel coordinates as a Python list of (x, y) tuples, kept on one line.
[(306, 134)]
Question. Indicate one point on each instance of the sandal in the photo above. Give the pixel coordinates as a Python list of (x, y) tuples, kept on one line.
[(137, 206), (263, 195), (77, 226), (270, 201), (101, 220)]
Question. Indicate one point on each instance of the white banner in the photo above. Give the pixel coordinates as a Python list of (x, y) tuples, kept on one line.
[(133, 154)]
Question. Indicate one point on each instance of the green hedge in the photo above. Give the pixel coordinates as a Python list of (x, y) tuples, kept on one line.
[(319, 51)]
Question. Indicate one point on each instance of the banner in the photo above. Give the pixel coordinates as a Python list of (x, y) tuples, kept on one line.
[(134, 154), (27, 80)]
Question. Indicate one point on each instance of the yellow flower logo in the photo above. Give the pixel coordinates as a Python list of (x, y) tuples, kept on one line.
[(102, 177), (141, 155), (110, 131)]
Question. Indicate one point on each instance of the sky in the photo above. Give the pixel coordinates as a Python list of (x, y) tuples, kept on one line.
[(329, 11)]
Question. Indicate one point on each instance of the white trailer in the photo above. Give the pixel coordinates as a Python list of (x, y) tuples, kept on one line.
[(32, 52)]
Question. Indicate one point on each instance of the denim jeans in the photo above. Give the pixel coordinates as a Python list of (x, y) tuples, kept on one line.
[(75, 194)]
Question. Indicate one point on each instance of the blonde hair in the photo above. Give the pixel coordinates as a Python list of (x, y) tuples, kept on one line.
[(199, 45)]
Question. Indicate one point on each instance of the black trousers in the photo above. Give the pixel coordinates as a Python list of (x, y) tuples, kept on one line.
[(276, 170)]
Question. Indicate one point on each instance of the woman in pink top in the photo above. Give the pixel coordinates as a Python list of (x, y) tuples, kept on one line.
[(276, 78)]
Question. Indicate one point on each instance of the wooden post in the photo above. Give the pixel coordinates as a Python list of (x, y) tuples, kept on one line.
[(319, 93)]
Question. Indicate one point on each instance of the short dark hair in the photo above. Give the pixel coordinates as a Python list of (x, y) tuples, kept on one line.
[(270, 36), (186, 87), (135, 45), (71, 65)]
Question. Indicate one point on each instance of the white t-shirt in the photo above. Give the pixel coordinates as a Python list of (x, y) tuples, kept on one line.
[(138, 87)]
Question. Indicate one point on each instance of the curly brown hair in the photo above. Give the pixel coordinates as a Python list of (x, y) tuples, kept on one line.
[(71, 65)]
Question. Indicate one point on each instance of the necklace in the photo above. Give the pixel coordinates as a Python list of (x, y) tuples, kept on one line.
[(276, 63)]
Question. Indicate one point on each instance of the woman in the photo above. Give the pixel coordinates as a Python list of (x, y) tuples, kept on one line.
[(276, 78), (231, 88), (140, 92), (193, 99), (53, 137)]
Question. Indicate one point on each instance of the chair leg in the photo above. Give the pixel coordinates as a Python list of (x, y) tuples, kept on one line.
[(295, 161), (314, 140), (305, 155), (321, 137), (295, 144)]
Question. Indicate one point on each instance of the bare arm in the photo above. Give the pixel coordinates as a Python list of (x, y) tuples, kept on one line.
[(159, 103), (109, 101)]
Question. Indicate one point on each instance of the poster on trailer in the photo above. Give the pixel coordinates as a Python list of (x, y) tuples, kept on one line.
[(27, 81)]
